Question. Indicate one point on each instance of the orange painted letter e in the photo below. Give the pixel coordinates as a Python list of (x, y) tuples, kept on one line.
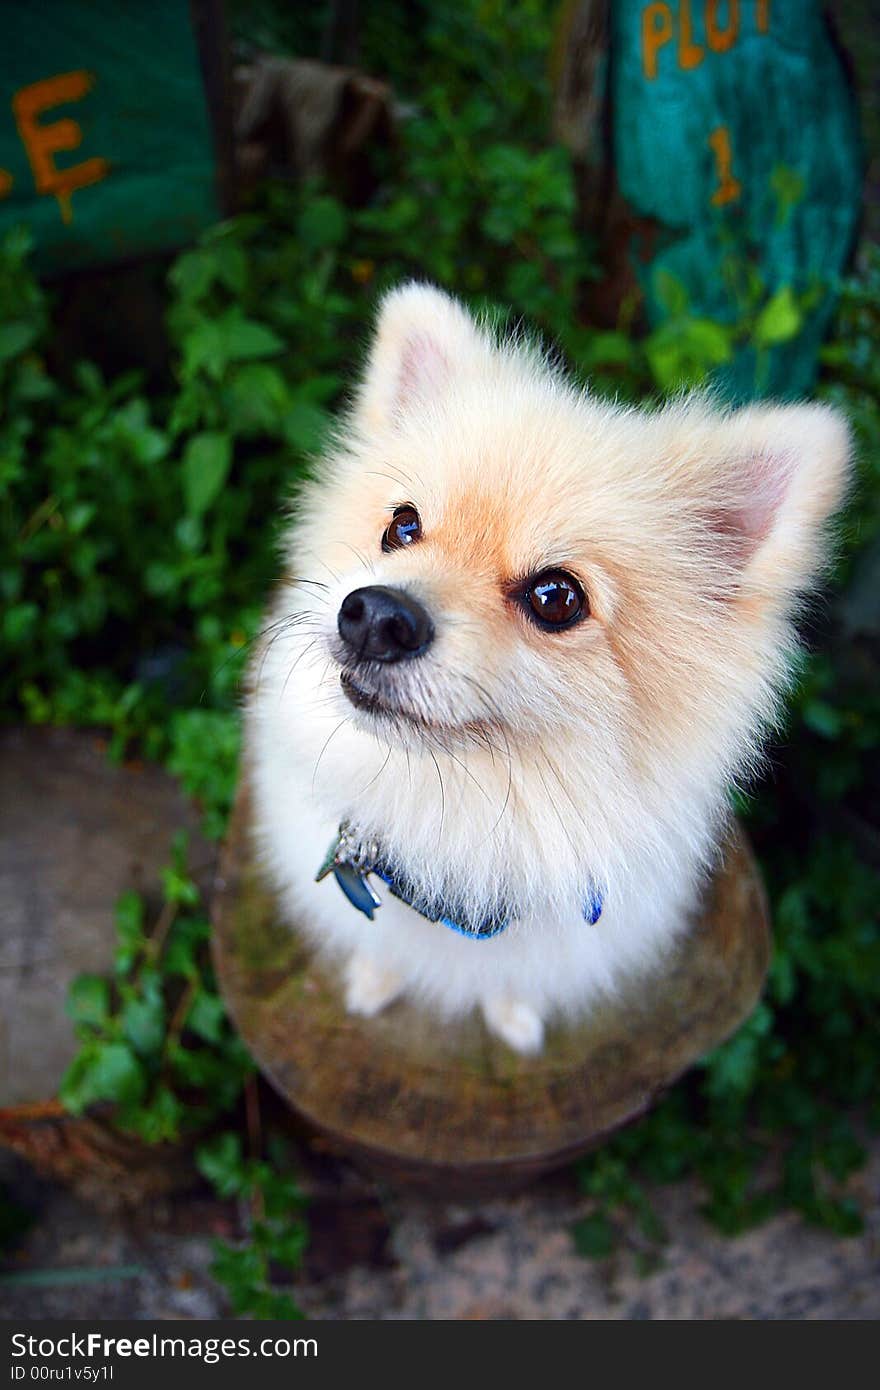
[(43, 142)]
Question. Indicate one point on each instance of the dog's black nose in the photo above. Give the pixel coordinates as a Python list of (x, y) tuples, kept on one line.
[(380, 624)]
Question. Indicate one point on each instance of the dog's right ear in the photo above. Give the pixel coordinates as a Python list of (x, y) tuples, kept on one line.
[(424, 338)]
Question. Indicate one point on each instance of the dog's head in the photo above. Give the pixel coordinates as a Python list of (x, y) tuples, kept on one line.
[(567, 603)]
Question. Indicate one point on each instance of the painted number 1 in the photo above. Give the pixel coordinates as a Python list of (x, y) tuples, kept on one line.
[(729, 188)]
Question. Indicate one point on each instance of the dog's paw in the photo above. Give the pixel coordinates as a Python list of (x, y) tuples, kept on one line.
[(518, 1024), (369, 986)]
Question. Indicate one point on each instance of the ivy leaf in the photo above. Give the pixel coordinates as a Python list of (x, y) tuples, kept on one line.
[(102, 1071), (129, 931), (305, 426), (822, 718), (608, 349), (19, 621), (206, 465), (162, 1119), (594, 1236), (207, 1016), (88, 1000), (684, 351), (204, 349), (671, 293), (247, 340), (287, 1246), (843, 1217), (15, 337), (193, 274), (212, 344), (182, 948), (779, 320), (220, 1161), (323, 222), (143, 1018), (257, 399), (733, 1067)]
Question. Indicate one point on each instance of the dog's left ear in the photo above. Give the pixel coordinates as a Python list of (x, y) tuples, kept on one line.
[(782, 472), (423, 339)]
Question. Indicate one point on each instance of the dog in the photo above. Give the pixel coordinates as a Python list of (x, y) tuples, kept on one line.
[(526, 641)]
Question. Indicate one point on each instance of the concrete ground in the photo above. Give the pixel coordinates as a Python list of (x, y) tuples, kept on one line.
[(511, 1258)]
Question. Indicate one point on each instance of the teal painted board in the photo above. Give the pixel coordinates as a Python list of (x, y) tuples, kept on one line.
[(106, 149), (736, 130)]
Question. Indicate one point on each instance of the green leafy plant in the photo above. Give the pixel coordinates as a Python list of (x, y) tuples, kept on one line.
[(138, 525), (156, 1044), (154, 1039), (277, 1231)]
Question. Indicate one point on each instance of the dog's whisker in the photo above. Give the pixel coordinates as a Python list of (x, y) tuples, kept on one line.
[(327, 743), (282, 628), (558, 778), (377, 473), (442, 795), (555, 809), (336, 577), (290, 581), (303, 653), (359, 556), (464, 767), (236, 654), (377, 775), (509, 787), (401, 475)]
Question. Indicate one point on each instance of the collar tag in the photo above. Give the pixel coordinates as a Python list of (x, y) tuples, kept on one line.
[(350, 870)]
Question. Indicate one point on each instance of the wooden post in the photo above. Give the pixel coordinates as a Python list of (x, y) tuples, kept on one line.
[(452, 1109)]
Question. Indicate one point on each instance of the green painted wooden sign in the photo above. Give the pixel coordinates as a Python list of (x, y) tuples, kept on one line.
[(105, 144), (736, 138)]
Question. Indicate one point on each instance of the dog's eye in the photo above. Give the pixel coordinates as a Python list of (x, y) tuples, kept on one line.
[(405, 528), (555, 599)]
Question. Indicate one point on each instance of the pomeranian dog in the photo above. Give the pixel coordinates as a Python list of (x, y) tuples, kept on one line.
[(526, 642)]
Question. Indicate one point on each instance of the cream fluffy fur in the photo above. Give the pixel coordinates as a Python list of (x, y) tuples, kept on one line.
[(545, 759)]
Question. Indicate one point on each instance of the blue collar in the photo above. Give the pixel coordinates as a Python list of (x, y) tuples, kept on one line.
[(351, 864)]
